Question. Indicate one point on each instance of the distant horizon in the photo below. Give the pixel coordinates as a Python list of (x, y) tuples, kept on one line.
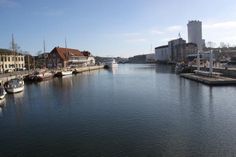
[(112, 28)]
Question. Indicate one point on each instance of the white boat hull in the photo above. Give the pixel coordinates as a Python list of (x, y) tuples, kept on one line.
[(15, 90), (114, 65), (2, 96), (65, 73)]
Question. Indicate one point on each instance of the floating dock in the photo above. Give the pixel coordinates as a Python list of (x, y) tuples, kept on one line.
[(216, 81)]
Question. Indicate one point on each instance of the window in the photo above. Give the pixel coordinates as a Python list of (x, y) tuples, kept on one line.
[(5, 65), (9, 59), (5, 59), (22, 59), (19, 65)]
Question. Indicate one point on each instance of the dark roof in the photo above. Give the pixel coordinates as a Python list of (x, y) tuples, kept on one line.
[(64, 52), (164, 46), (191, 44), (8, 52)]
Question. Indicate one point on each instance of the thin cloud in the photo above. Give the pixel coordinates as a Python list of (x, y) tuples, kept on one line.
[(131, 34), (175, 28), (8, 3), (220, 32), (45, 11), (221, 25), (156, 32), (136, 40)]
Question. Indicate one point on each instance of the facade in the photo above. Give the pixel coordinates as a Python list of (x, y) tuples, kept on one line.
[(162, 54), (191, 48), (11, 61), (195, 34), (177, 50), (66, 58), (150, 58)]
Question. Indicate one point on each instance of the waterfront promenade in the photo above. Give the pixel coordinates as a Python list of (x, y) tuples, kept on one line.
[(7, 76)]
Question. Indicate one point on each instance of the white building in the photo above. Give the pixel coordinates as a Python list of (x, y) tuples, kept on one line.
[(195, 33), (162, 53)]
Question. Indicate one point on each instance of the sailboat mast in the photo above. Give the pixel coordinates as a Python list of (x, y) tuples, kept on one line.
[(13, 49)]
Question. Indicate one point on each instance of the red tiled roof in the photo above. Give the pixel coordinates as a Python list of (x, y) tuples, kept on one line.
[(65, 52)]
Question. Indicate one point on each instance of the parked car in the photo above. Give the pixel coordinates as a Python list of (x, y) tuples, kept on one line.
[(9, 71)]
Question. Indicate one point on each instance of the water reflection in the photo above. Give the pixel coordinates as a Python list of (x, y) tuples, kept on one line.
[(2, 105), (141, 110), (18, 98), (113, 70)]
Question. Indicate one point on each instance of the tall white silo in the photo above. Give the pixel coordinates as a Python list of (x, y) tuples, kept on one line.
[(195, 33)]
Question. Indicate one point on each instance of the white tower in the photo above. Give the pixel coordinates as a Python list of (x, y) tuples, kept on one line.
[(195, 34)]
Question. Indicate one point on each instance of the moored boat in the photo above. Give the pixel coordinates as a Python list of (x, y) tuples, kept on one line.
[(14, 85), (39, 76), (64, 73), (2, 93), (111, 63)]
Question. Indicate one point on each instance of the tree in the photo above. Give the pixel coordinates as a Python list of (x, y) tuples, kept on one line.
[(211, 44)]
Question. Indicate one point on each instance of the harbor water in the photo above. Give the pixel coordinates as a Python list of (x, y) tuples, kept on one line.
[(133, 111)]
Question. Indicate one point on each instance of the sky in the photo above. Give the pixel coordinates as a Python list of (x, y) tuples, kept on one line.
[(112, 28)]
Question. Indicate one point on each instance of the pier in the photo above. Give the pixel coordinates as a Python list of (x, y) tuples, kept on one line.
[(218, 80)]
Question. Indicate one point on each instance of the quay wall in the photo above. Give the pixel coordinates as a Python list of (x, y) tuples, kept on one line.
[(90, 68), (7, 76)]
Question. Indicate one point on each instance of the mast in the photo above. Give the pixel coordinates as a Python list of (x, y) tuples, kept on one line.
[(44, 51), (66, 54), (13, 49)]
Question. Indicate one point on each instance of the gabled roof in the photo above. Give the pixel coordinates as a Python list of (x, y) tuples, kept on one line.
[(64, 53)]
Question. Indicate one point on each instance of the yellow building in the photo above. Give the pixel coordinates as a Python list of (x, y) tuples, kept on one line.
[(11, 61)]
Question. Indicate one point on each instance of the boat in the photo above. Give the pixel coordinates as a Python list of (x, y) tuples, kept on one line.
[(2, 93), (39, 76), (182, 68), (64, 73), (110, 63), (14, 85)]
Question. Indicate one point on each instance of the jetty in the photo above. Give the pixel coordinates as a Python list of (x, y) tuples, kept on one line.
[(217, 78)]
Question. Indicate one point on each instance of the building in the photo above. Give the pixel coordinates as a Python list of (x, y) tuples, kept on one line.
[(90, 58), (177, 50), (41, 60), (11, 61), (68, 58), (138, 59), (195, 34), (150, 58), (191, 48), (162, 54)]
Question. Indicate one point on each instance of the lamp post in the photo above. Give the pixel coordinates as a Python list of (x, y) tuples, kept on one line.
[(211, 62), (198, 60)]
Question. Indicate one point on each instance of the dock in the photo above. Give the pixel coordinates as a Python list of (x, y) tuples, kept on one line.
[(213, 81)]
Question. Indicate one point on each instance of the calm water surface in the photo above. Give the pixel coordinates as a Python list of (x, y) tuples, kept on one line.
[(134, 111)]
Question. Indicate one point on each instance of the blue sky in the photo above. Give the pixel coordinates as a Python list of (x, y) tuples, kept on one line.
[(112, 27)]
